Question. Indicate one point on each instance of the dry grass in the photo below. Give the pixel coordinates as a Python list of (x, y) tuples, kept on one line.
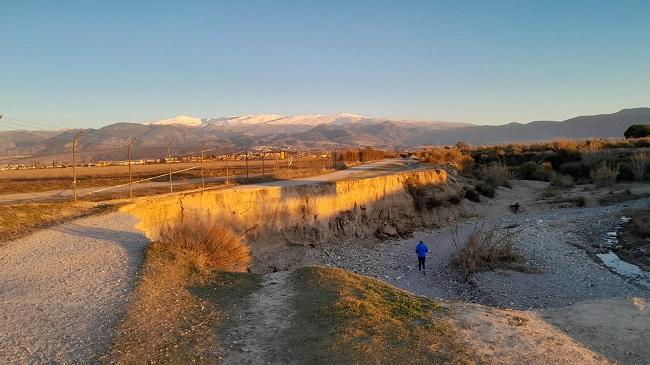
[(641, 223), (211, 246), (605, 174), (344, 318), (168, 322), (620, 197), (496, 173), (640, 162), (19, 220), (450, 156), (488, 249)]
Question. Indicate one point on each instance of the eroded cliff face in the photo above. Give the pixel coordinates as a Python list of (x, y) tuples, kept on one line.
[(383, 206)]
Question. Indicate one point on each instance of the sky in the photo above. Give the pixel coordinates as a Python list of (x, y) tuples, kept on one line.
[(92, 63)]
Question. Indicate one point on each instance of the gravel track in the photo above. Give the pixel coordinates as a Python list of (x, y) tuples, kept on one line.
[(63, 289)]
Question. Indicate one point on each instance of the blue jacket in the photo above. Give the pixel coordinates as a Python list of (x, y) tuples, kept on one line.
[(421, 249)]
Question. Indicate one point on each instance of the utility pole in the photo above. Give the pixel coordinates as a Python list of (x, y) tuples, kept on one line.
[(169, 162), (74, 163), (130, 176), (202, 156), (227, 172), (246, 163), (263, 157)]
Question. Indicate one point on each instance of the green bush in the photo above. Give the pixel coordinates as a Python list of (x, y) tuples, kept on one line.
[(638, 131)]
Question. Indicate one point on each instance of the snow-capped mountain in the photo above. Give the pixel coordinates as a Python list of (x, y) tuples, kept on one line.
[(180, 120)]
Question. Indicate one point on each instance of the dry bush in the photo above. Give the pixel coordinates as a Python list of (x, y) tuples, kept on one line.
[(451, 156), (562, 181), (488, 249), (496, 173), (565, 144), (640, 162), (211, 246), (605, 174), (168, 320), (641, 223), (594, 154)]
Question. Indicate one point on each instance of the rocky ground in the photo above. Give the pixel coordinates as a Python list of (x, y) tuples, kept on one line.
[(561, 246)]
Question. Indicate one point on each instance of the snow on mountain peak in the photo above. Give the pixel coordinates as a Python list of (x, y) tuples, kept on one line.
[(181, 119)]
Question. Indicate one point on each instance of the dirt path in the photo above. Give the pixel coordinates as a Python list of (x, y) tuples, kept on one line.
[(63, 289), (253, 340)]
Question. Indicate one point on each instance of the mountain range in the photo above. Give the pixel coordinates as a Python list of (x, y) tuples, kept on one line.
[(300, 131)]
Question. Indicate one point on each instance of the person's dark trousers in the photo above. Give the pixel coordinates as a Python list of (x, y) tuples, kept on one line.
[(421, 263)]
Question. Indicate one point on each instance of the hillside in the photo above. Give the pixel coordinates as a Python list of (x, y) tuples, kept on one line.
[(302, 131)]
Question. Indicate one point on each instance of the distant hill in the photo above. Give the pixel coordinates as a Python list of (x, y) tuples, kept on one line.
[(301, 131)]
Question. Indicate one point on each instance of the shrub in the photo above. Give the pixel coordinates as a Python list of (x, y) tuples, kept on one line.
[(625, 172), (562, 181), (472, 195), (639, 164), (485, 189), (450, 156), (641, 223), (488, 249), (605, 174), (454, 199), (534, 171), (637, 131), (575, 169), (212, 246), (495, 173)]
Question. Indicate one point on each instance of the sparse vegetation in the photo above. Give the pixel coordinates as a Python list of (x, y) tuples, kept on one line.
[(641, 223), (450, 156), (640, 163), (168, 322), (495, 173), (488, 249), (619, 197), (21, 219), (605, 174), (485, 189), (342, 317), (562, 181)]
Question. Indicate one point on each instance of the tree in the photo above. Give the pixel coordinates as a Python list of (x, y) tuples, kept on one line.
[(638, 131)]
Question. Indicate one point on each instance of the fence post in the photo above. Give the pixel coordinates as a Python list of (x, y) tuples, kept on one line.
[(227, 172), (263, 169), (169, 162), (202, 155), (246, 163), (130, 176), (74, 163)]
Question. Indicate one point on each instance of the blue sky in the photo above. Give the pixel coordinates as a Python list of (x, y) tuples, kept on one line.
[(91, 63)]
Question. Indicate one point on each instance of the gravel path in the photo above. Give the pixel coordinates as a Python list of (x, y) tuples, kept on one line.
[(254, 338), (63, 289)]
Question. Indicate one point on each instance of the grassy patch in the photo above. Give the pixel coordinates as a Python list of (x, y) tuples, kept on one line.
[(172, 319), (22, 219), (342, 317), (620, 197)]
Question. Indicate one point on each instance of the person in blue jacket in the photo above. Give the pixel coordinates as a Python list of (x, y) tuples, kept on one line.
[(421, 249)]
